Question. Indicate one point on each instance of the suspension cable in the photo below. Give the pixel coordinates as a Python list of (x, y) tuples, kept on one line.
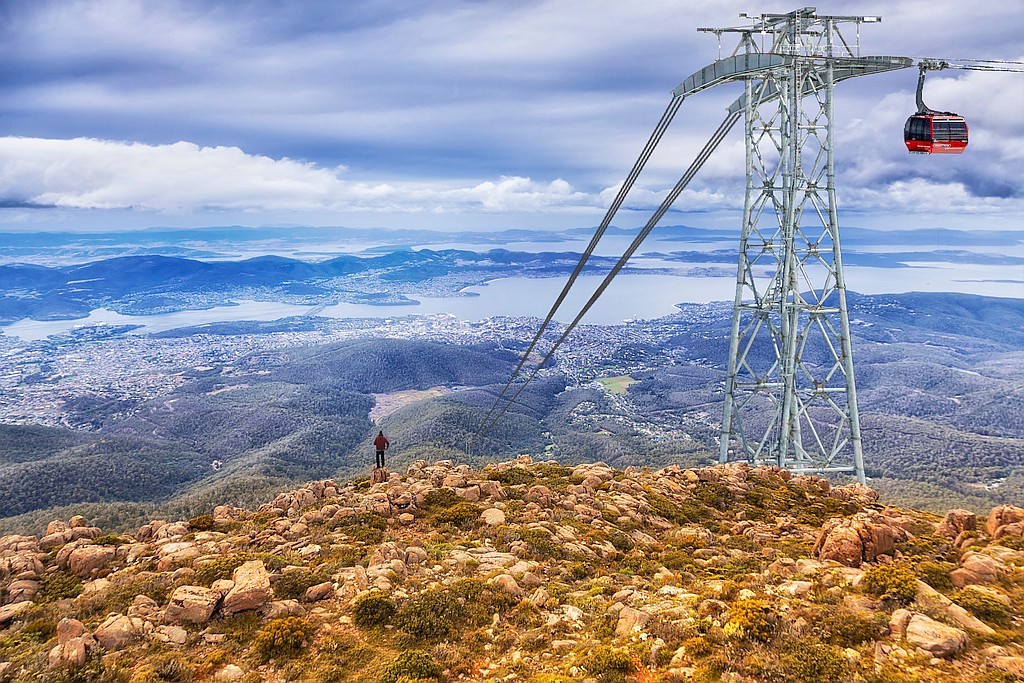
[(698, 162), (627, 185)]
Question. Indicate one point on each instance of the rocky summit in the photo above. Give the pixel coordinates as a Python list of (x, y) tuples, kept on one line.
[(526, 571)]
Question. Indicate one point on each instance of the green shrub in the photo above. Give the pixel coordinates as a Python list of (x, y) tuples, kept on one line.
[(698, 647), (462, 515), (120, 595), (895, 581), (936, 574), (837, 626), (282, 637), (714, 495), (1014, 542), (753, 620), (525, 615), (982, 605), (292, 585), (219, 569), (434, 614), (610, 665), (367, 527), (373, 610), (58, 586), (514, 476), (201, 523), (541, 544), (815, 663), (440, 499), (110, 539), (39, 630), (412, 665)]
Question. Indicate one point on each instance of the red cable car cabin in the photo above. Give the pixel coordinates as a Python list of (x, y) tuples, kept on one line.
[(936, 133)]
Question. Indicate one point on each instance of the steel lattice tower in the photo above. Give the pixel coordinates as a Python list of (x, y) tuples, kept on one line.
[(790, 396)]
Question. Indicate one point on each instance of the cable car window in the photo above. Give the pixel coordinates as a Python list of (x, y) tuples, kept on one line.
[(942, 131)]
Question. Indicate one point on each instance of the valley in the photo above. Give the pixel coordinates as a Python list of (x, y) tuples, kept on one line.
[(123, 425)]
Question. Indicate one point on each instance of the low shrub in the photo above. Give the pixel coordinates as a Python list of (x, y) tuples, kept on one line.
[(841, 627), (58, 586), (412, 665), (895, 581), (39, 630), (282, 637), (293, 585), (752, 620), (201, 523), (110, 539), (714, 494), (815, 663), (936, 574), (367, 527), (698, 647), (610, 665), (440, 499), (462, 515), (373, 610), (434, 614), (982, 605), (514, 476)]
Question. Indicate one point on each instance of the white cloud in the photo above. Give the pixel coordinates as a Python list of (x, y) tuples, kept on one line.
[(86, 173)]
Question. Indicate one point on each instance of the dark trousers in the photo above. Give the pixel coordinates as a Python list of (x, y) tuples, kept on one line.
[(380, 459)]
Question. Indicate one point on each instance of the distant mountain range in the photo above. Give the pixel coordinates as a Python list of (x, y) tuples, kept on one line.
[(150, 284), (161, 271)]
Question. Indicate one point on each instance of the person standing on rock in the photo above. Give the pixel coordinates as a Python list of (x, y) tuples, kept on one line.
[(381, 443)]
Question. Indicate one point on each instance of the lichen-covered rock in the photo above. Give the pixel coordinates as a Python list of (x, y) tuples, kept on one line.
[(251, 590), (118, 631), (934, 638), (191, 604)]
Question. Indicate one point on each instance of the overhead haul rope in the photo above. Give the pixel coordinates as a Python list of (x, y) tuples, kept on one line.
[(698, 162), (627, 185)]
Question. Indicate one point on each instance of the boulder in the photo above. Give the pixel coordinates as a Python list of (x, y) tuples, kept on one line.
[(934, 638), (956, 522), (73, 644), (976, 568), (118, 631), (1003, 516), (12, 611), (508, 584), (21, 590), (251, 590), (492, 517), (861, 538), (321, 591), (938, 604), (191, 604), (172, 635), (631, 620), (85, 559)]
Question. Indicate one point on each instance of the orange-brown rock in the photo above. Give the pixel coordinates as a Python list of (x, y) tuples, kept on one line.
[(956, 522), (858, 539), (1005, 520)]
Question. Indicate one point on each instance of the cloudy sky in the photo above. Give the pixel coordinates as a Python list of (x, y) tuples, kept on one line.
[(476, 113)]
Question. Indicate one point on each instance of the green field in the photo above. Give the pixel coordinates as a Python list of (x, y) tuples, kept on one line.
[(617, 385)]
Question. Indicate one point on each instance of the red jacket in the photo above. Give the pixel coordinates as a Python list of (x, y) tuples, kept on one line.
[(381, 442)]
